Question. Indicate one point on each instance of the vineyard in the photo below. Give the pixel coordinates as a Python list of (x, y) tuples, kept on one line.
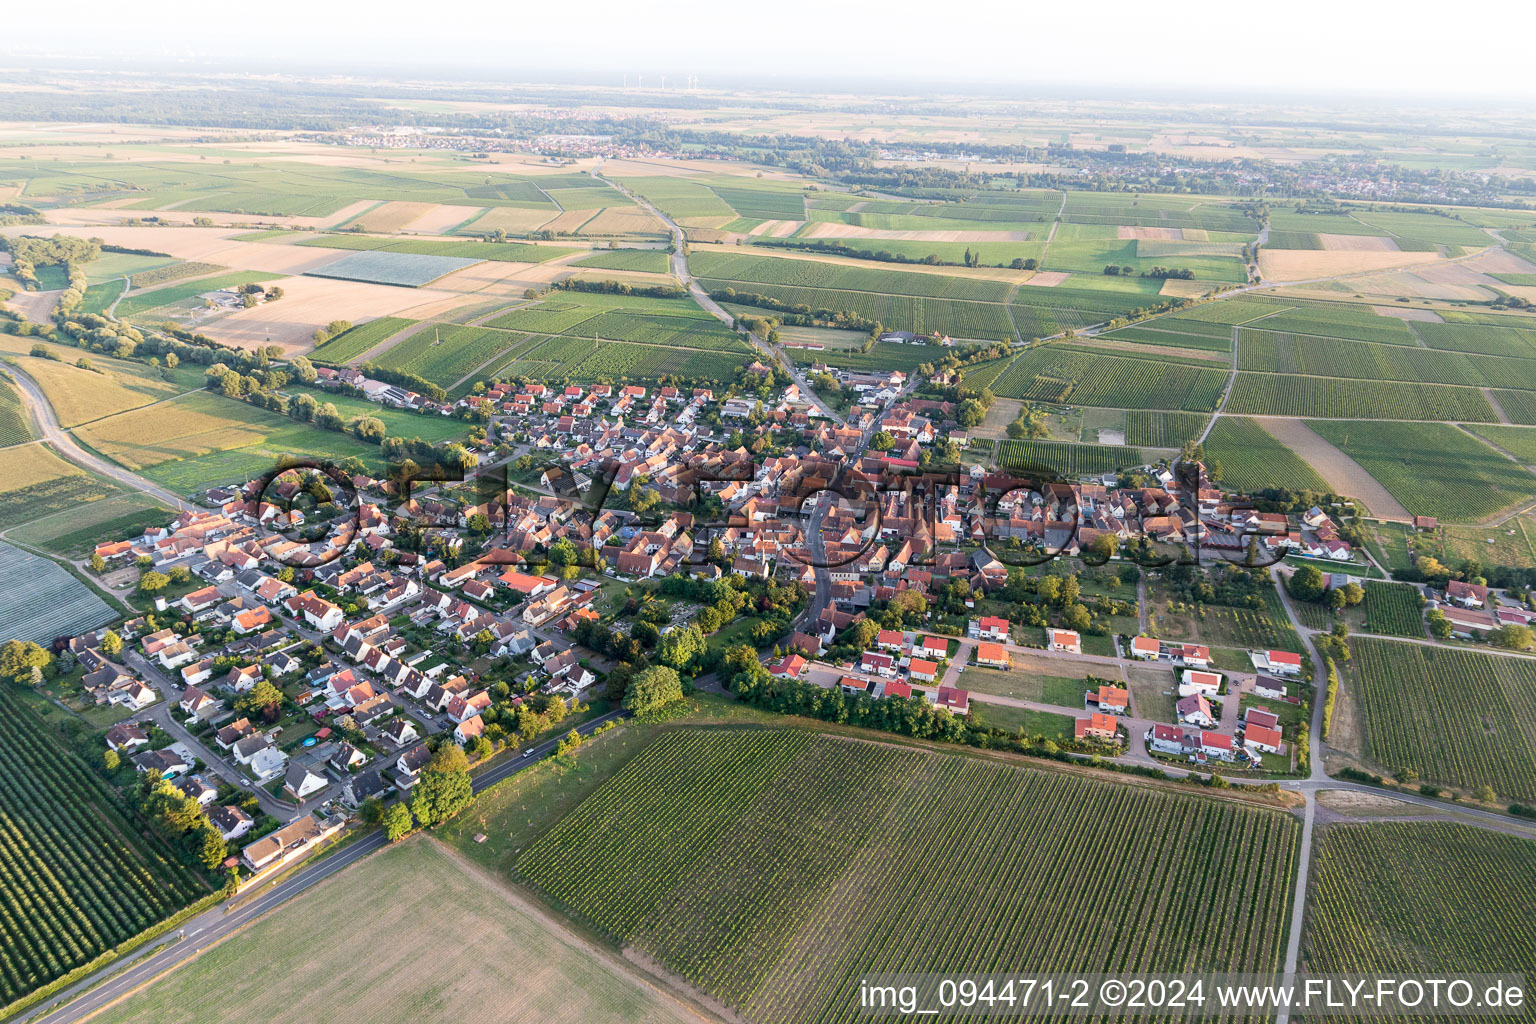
[(15, 424), (559, 358), (650, 261), (1166, 336), (1069, 460), (352, 343), (1393, 898), (505, 252), (1395, 609), (1273, 394), (1339, 321), (76, 877), (1253, 460), (1492, 341), (1268, 352), (444, 353), (1434, 469), (987, 321), (1519, 406), (748, 269), (1453, 716), (1518, 441), (1058, 374), (737, 858), (1162, 429)]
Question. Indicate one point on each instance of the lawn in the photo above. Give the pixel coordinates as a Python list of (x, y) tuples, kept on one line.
[(1029, 723), (445, 915), (738, 857), (140, 303)]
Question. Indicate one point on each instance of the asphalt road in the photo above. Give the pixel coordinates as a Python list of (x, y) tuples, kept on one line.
[(212, 926)]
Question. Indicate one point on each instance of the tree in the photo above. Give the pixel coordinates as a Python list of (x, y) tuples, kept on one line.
[(372, 811), (260, 699), (98, 564), (882, 441), (213, 849), (1512, 637), (1439, 626), (653, 688), (18, 658), (1076, 618), (680, 646), (111, 644), (441, 794), (1307, 583), (448, 758), (110, 760), (396, 822), (1354, 593), (152, 582)]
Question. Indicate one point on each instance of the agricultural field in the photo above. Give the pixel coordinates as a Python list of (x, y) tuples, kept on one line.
[(1517, 342), (173, 272), (649, 261), (1391, 899), (1518, 406), (15, 422), (737, 857), (77, 877), (1518, 441), (571, 358), (748, 268), (451, 910), (1456, 717), (1433, 469), (377, 266), (504, 252), (1337, 320), (352, 343), (1253, 460), (202, 439), (1069, 460), (1057, 374), (1161, 332), (1395, 609), (75, 531), (1162, 429), (445, 353), (1274, 394), (34, 482), (1267, 352), (112, 385), (40, 600)]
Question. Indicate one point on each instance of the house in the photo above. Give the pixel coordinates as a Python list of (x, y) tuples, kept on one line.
[(1425, 522), (126, 736), (162, 764), (1169, 739), (347, 757), (922, 670), (1066, 640), (134, 696), (1468, 595), (953, 699), (895, 688), (289, 841), (1111, 700), (194, 787), (233, 733), (362, 786), (880, 664), (1205, 683), (1264, 738), (302, 781), (935, 647), (789, 667), (268, 763), (991, 627), (197, 704), (400, 731), (890, 639), (468, 729), (231, 822), (411, 763), (1196, 710), (993, 655), (1281, 663), (1097, 727), (853, 685), (1216, 744)]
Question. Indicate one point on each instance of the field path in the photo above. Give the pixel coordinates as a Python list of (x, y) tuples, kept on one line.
[(395, 339), (1225, 394), (1497, 408), (1342, 473), (64, 443)]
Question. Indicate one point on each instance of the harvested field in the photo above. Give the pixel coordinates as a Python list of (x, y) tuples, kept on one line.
[(623, 220), (1343, 474), (35, 306), (512, 220), (1151, 234), (1421, 316), (1047, 279), (1184, 289), (1305, 264), (309, 303), (429, 899), (1357, 243), (776, 228), (78, 395), (440, 219), (391, 217)]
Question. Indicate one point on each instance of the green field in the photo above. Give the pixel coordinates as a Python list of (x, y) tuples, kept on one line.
[(1519, 406), (1456, 717), (1515, 341), (1434, 469), (1253, 460), (1518, 441), (1395, 609), (352, 343), (1392, 899), (738, 857), (1069, 460), (444, 353), (1160, 332), (78, 875), (650, 261), (1338, 320), (75, 531), (1268, 352), (417, 888), (1274, 394), (98, 298)]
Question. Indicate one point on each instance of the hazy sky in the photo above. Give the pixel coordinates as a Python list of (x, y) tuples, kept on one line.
[(1226, 47)]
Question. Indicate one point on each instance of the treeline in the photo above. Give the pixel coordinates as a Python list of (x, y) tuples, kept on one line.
[(409, 381), (886, 256), (653, 291), (28, 252), (798, 314)]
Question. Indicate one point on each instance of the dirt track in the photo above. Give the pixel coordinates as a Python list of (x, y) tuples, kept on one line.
[(1343, 474)]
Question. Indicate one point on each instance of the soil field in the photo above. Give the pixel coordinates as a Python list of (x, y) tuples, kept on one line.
[(1342, 474)]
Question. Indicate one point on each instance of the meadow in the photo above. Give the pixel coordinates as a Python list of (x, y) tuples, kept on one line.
[(1253, 460), (77, 875), (1434, 469), (1274, 394), (1455, 717), (1395, 898), (453, 913), (737, 857)]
